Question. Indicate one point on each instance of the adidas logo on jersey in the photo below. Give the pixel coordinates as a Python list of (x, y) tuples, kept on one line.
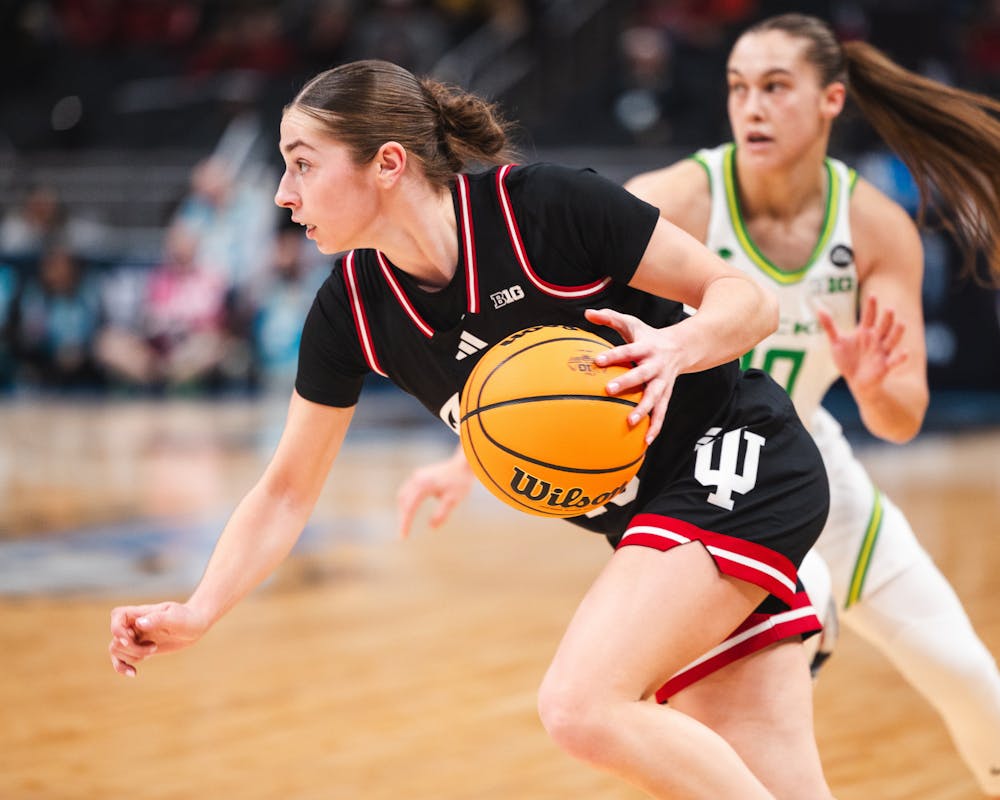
[(469, 345)]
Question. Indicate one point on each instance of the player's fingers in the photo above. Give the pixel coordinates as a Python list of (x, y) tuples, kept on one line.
[(443, 510), (894, 337), (406, 508), (625, 324), (651, 394), (658, 415), (896, 359), (122, 668), (633, 379), (154, 622), (627, 354), (132, 648), (121, 623), (828, 325), (131, 652), (869, 313), (409, 498), (886, 323)]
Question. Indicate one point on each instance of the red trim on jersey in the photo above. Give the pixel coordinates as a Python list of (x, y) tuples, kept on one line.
[(360, 319), (757, 632), (522, 255), (468, 245), (404, 301)]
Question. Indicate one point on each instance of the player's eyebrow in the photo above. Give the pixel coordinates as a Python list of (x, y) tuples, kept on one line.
[(287, 148), (766, 74)]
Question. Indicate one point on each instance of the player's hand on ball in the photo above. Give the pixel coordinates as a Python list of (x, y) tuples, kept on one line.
[(138, 632), (447, 481), (656, 365)]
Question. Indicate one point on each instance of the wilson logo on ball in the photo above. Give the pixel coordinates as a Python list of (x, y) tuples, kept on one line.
[(538, 491)]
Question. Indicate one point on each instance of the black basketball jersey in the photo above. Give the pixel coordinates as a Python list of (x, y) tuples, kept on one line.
[(538, 245)]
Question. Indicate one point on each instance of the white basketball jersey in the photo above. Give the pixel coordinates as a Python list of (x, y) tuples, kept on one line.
[(797, 355)]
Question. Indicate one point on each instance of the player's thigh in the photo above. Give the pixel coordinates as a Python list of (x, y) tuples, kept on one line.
[(648, 614)]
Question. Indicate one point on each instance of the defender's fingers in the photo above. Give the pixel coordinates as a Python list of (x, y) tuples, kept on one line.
[(828, 325), (869, 313)]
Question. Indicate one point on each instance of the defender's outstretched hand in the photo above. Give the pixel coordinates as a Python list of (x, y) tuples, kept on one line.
[(138, 632), (869, 352)]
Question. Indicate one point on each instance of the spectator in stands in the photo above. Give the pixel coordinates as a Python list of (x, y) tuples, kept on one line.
[(40, 220), (57, 318), (233, 217), (29, 226), (182, 341)]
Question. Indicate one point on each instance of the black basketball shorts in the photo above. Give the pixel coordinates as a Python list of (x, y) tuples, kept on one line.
[(754, 493)]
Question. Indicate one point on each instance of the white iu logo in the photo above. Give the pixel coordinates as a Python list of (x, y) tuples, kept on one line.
[(726, 477)]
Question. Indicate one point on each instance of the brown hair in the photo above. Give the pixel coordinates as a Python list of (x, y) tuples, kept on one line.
[(364, 104), (947, 137)]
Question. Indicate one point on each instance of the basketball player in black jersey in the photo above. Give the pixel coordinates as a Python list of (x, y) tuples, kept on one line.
[(700, 601)]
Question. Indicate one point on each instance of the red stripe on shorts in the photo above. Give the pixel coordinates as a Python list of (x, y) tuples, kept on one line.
[(739, 558), (757, 632)]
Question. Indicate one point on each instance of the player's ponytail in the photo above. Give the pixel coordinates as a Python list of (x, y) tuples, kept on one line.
[(364, 104), (948, 138), (472, 129)]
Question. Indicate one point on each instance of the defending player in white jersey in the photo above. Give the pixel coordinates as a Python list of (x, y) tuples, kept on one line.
[(846, 264)]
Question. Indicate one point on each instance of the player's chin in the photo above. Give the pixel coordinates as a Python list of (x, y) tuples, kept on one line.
[(325, 245)]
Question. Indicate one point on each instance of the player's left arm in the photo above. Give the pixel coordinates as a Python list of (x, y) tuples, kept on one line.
[(884, 360)]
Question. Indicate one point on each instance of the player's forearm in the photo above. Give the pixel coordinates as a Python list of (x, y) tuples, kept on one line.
[(258, 536), (734, 316), (895, 409)]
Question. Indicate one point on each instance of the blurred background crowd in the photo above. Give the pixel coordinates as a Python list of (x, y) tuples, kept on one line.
[(140, 249)]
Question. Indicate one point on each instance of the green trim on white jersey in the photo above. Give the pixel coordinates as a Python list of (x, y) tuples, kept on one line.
[(739, 227), (797, 355)]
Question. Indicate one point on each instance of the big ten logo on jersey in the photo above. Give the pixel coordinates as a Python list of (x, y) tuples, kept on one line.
[(507, 296), (728, 461), (832, 284)]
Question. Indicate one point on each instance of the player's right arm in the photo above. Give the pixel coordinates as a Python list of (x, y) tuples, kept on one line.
[(258, 536)]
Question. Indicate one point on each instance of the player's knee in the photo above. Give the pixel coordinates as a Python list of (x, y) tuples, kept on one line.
[(577, 723)]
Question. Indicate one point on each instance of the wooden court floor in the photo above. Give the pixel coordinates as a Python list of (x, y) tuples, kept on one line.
[(368, 668)]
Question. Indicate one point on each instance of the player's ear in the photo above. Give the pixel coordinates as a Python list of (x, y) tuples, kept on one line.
[(833, 99), (390, 163)]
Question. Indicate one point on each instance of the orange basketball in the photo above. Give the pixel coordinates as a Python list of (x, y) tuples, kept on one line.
[(539, 428)]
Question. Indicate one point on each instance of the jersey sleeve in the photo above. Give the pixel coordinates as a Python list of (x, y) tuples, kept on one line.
[(579, 226), (331, 367)]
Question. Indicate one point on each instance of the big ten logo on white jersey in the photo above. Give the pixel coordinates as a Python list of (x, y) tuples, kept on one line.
[(507, 296), (723, 469)]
